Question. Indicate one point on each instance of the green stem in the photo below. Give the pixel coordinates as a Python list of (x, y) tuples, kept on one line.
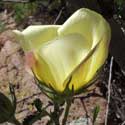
[(56, 114), (68, 104)]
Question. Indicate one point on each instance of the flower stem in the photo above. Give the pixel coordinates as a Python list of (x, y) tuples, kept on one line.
[(56, 113), (68, 104)]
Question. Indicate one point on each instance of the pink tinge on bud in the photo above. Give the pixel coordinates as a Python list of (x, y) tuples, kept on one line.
[(29, 61)]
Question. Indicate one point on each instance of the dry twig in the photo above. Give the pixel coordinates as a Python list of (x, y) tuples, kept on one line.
[(58, 16), (29, 97), (123, 123), (109, 89)]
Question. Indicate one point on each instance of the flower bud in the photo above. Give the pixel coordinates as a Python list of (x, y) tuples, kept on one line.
[(76, 49)]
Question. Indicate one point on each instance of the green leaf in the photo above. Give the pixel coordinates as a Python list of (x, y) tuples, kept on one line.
[(95, 113)]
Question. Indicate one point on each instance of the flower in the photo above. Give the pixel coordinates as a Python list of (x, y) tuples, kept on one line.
[(68, 55)]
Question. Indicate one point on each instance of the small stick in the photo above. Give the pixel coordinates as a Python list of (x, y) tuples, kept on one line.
[(88, 96), (29, 97), (58, 16), (86, 111), (109, 89), (123, 123)]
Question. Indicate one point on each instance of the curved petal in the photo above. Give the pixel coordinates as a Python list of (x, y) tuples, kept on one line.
[(59, 57), (101, 54), (84, 22), (34, 36), (86, 71), (80, 73), (97, 32)]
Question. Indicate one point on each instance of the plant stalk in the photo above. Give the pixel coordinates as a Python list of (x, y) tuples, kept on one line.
[(56, 114), (68, 104)]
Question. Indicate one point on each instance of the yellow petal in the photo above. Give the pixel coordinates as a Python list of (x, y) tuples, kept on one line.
[(84, 22), (58, 58), (100, 55), (80, 72), (34, 36), (97, 32)]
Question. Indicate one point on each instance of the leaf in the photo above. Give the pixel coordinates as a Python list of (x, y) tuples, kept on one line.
[(95, 112), (6, 108)]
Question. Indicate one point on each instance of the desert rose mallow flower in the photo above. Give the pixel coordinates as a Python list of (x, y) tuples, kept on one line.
[(75, 50)]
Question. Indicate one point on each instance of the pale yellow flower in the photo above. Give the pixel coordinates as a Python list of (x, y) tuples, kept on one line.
[(75, 50)]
